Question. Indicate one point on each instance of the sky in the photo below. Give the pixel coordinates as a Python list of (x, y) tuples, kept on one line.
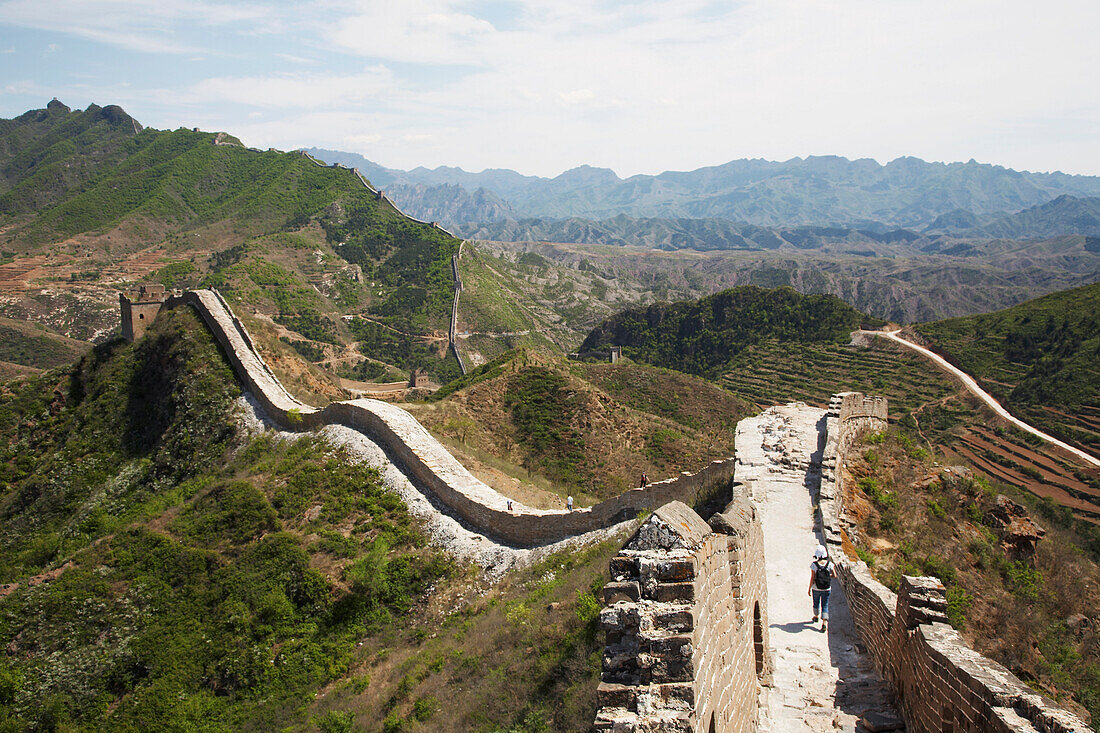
[(541, 86)]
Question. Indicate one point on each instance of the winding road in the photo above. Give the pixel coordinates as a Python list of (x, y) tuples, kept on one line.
[(984, 396)]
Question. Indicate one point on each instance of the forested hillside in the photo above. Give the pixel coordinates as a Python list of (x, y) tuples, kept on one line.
[(1040, 358), (161, 567), (701, 337)]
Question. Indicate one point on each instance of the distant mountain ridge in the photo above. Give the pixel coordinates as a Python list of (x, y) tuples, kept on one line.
[(1059, 217), (818, 190)]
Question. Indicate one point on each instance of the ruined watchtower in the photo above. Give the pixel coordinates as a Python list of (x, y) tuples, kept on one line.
[(139, 306)]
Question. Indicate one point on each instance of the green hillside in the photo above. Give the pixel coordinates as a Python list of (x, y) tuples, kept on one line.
[(35, 346), (309, 246), (1040, 358), (701, 337), (161, 568)]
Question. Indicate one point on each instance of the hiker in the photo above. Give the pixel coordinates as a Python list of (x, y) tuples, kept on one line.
[(569, 503), (645, 480), (822, 572), (509, 506)]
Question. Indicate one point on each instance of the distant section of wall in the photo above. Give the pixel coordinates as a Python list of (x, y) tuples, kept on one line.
[(378, 193), (686, 624), (454, 308), (424, 459), (942, 685)]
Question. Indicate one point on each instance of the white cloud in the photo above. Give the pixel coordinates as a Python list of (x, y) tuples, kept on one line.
[(290, 91), (639, 87), (577, 96), (417, 31), (362, 140)]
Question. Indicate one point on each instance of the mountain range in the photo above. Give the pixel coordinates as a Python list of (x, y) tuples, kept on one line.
[(815, 191)]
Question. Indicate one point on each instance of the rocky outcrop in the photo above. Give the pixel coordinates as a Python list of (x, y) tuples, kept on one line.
[(1018, 531)]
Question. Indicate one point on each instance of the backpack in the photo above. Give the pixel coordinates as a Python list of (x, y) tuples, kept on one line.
[(823, 579)]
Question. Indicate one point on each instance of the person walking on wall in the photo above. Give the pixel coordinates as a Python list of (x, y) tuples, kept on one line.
[(822, 572), (645, 480), (569, 503)]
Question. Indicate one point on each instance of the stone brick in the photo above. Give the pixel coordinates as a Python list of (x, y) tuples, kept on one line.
[(676, 569), (613, 695), (670, 592), (678, 619), (623, 567), (627, 590)]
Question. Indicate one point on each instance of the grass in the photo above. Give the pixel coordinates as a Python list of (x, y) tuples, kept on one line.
[(916, 520), (22, 343)]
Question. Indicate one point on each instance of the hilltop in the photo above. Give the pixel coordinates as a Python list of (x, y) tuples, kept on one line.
[(91, 200), (539, 428), (701, 337)]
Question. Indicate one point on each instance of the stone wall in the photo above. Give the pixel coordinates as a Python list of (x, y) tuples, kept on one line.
[(942, 685), (686, 624), (425, 460)]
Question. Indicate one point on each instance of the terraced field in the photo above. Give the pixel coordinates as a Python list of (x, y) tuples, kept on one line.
[(925, 401), (775, 372)]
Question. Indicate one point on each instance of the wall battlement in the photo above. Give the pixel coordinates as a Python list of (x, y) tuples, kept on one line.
[(138, 307), (941, 684)]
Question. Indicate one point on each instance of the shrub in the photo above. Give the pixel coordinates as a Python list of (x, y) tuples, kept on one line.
[(958, 603), (588, 608), (1022, 579), (425, 708)]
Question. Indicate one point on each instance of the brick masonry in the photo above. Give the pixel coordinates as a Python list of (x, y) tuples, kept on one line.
[(941, 684)]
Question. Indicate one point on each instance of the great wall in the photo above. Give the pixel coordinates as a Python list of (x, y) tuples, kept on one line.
[(689, 643)]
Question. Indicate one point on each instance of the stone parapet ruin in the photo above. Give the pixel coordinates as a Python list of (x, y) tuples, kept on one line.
[(409, 445), (686, 625), (941, 684)]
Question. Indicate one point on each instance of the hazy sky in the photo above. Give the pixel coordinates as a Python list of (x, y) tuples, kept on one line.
[(544, 85)]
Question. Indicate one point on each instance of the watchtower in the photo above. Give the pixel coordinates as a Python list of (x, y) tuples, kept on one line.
[(418, 378), (139, 306)]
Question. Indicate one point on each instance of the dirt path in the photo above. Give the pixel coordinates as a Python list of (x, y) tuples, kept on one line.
[(822, 681), (984, 396)]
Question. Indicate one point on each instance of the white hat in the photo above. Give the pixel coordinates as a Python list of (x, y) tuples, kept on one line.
[(820, 553)]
